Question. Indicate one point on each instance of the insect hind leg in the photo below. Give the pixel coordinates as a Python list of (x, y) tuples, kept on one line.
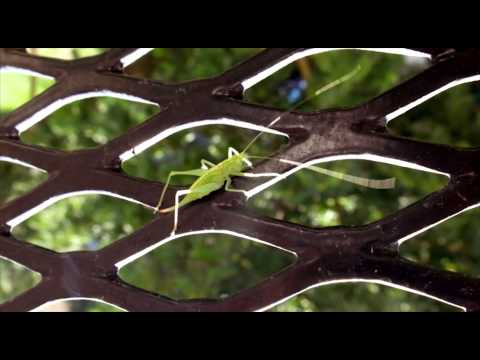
[(177, 201), (195, 172)]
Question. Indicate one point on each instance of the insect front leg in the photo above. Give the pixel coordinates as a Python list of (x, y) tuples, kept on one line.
[(233, 152), (229, 181), (229, 189)]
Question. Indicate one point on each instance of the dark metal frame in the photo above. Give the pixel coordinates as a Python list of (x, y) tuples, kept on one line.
[(323, 255)]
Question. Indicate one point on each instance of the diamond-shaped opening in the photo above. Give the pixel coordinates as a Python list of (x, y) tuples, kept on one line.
[(17, 89), (88, 123), (66, 53), (205, 266), (361, 297), (17, 180), (318, 200), (450, 118), (83, 223), (378, 73), (453, 245), (78, 306), (176, 65), (185, 150), (15, 279)]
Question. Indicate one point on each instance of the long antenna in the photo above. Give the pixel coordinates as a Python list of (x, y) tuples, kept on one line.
[(317, 93), (366, 182)]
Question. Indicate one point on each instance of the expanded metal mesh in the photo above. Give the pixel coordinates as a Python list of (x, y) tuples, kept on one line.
[(324, 256)]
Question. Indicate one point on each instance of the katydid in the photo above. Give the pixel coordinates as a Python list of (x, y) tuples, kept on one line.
[(212, 177)]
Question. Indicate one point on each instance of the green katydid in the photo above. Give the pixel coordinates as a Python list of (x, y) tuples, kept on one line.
[(212, 177)]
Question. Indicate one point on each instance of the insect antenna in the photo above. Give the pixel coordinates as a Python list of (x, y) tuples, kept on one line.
[(365, 182), (320, 91)]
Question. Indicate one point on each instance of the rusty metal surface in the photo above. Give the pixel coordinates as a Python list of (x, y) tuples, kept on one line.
[(323, 255)]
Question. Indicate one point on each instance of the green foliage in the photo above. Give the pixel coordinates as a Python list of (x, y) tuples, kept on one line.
[(16, 89), (18, 180), (215, 266), (83, 223), (361, 297), (207, 142), (451, 118), (66, 53), (453, 245), (15, 279), (327, 201), (91, 306), (62, 130), (379, 73), (175, 65)]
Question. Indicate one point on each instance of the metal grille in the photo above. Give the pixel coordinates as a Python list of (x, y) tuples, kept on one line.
[(324, 256)]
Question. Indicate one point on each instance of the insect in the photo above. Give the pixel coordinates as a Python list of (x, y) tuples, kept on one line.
[(294, 87), (212, 177)]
